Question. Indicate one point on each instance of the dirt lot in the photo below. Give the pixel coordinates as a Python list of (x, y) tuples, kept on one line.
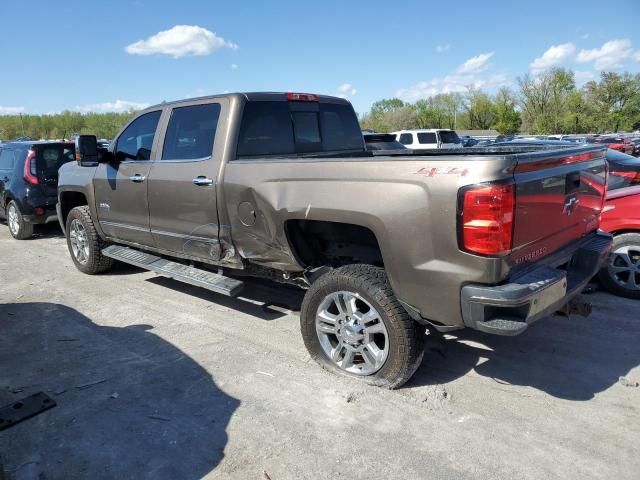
[(155, 379)]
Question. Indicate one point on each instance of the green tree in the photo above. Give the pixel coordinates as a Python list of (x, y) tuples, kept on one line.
[(508, 119), (481, 112)]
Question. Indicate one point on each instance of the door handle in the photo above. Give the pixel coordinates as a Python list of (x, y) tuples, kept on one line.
[(137, 178), (202, 181)]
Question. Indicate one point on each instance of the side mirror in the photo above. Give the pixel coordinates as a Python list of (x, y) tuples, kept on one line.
[(87, 150)]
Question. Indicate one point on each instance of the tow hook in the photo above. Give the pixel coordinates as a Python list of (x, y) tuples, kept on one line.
[(577, 304)]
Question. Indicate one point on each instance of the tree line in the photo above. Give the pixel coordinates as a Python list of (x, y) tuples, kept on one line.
[(544, 104), (548, 103), (62, 125)]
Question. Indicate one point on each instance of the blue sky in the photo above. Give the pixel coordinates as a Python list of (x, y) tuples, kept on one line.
[(90, 55)]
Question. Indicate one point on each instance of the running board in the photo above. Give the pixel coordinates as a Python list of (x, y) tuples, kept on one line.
[(183, 273)]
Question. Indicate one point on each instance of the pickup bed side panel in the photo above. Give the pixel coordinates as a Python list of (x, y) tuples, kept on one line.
[(409, 205)]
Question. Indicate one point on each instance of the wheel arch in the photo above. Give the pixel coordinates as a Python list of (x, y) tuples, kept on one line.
[(316, 243), (68, 200)]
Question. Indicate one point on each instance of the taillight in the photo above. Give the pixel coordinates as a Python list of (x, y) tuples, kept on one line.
[(302, 97), (30, 168), (486, 219)]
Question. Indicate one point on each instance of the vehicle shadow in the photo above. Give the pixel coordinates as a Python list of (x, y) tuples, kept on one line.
[(48, 230), (570, 358), (129, 403), (261, 299)]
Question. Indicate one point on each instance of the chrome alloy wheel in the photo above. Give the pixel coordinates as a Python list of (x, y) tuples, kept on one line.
[(624, 266), (352, 333), (79, 242), (12, 219)]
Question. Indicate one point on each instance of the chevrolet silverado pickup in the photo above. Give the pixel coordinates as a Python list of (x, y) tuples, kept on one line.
[(387, 244)]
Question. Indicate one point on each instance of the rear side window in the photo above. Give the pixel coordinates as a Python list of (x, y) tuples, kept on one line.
[(137, 139), (406, 139), (277, 128), (49, 158), (449, 136), (191, 132), (7, 159), (426, 138)]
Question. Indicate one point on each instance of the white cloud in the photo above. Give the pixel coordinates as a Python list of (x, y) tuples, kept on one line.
[(472, 73), (118, 106), (555, 56), (180, 41), (581, 77), (450, 84), (234, 66), (611, 55), (479, 63), (442, 48), (10, 110), (346, 90)]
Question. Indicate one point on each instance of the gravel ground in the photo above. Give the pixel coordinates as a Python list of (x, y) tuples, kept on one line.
[(156, 379)]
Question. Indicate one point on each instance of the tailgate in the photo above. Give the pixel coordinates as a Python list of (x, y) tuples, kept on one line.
[(559, 199)]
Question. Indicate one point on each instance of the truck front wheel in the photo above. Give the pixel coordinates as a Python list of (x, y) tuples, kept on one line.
[(84, 243), (352, 324)]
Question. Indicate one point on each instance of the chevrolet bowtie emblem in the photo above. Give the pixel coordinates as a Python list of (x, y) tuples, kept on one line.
[(570, 205)]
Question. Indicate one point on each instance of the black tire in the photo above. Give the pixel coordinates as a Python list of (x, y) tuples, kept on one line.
[(406, 337), (23, 229), (95, 261), (612, 281)]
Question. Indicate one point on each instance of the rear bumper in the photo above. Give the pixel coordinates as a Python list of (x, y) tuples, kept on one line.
[(510, 308), (48, 216)]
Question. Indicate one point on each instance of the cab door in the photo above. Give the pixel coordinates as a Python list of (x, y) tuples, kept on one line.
[(121, 185), (183, 213)]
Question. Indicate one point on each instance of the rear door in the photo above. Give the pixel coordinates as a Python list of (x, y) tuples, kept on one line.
[(183, 214), (426, 141), (121, 186), (559, 199)]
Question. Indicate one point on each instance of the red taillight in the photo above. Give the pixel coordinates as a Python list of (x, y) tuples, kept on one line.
[(30, 168), (487, 219), (302, 97)]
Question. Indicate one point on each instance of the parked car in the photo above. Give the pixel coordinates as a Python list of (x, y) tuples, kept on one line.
[(636, 147), (428, 139), (621, 217), (620, 144), (28, 183), (381, 141), (468, 141), (279, 185)]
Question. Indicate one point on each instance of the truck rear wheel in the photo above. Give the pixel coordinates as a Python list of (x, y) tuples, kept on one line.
[(352, 324), (621, 275), (84, 243)]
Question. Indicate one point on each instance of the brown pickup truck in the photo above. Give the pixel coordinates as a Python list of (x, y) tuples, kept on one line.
[(280, 185)]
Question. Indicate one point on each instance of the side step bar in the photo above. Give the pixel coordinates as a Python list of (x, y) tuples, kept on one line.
[(183, 273)]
